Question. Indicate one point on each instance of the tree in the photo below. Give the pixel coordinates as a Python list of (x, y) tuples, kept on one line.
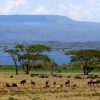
[(27, 56), (87, 58), (13, 53), (53, 65)]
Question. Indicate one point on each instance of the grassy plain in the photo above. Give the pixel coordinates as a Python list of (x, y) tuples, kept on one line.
[(79, 90)]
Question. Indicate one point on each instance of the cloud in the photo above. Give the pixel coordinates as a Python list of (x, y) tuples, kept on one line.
[(71, 10), (12, 6), (40, 10), (87, 10), (75, 11), (21, 7)]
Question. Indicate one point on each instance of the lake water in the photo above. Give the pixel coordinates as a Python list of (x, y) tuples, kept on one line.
[(57, 56)]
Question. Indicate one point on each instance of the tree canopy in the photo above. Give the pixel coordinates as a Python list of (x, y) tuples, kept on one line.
[(28, 55), (88, 58)]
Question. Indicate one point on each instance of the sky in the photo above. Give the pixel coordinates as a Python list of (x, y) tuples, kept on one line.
[(82, 10)]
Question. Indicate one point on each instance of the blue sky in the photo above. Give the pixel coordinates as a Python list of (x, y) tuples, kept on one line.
[(83, 10)]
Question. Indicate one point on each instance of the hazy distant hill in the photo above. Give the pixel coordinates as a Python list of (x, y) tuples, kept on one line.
[(46, 28)]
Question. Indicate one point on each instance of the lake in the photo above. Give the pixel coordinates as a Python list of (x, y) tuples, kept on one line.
[(57, 56)]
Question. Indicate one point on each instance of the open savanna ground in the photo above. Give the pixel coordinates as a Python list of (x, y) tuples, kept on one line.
[(78, 89)]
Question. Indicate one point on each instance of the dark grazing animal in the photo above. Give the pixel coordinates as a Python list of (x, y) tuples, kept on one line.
[(22, 82), (93, 82), (57, 76), (47, 84), (67, 83), (54, 84), (43, 76), (8, 85), (34, 75), (78, 77), (92, 76), (33, 83), (98, 81), (11, 85), (14, 85), (11, 76)]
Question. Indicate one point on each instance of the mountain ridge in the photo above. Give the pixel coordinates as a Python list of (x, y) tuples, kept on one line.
[(46, 28), (30, 18)]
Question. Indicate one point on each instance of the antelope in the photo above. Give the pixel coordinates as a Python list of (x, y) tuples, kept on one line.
[(33, 83), (67, 83), (22, 82)]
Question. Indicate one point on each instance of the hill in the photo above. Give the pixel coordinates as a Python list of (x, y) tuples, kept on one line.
[(15, 28)]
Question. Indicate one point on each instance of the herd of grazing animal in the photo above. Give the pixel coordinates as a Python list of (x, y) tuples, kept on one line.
[(33, 83), (11, 85), (92, 82)]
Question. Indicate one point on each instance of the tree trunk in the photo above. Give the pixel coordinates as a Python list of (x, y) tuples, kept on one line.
[(15, 66), (52, 69), (85, 71), (27, 70), (16, 70)]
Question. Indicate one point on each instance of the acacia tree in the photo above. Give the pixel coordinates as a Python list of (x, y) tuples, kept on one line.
[(12, 53), (27, 56), (87, 58)]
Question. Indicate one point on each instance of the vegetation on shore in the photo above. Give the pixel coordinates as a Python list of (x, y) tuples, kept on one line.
[(30, 57)]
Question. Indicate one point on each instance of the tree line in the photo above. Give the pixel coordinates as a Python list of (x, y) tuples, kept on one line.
[(27, 56)]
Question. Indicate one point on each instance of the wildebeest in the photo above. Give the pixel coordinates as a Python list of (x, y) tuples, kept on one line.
[(11, 76), (33, 83), (47, 84), (34, 75), (93, 82), (43, 76), (22, 82), (74, 86), (11, 85), (68, 76), (54, 84), (92, 76), (57, 76), (67, 83), (8, 85), (78, 77), (14, 85)]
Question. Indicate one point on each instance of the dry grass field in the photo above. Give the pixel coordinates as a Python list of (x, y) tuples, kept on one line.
[(78, 89)]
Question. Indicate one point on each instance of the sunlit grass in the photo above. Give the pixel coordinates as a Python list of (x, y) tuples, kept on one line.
[(10, 69)]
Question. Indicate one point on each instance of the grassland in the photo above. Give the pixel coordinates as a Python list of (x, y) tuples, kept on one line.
[(79, 90)]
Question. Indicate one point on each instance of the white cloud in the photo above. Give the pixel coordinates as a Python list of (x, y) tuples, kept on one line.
[(12, 6), (75, 11), (85, 10), (21, 7), (40, 10)]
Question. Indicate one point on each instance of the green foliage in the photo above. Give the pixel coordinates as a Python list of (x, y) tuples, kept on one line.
[(88, 58), (28, 55)]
